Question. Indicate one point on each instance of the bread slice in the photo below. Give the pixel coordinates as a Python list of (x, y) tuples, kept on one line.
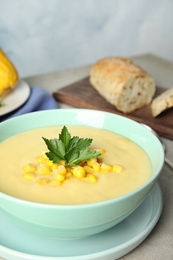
[(122, 83), (162, 102)]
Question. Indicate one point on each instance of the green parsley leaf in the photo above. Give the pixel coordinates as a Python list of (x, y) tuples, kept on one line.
[(53, 157), (71, 157), (56, 147), (65, 137), (72, 143), (71, 149), (2, 105), (86, 154)]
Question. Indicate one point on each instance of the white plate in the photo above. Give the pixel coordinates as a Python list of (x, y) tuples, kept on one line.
[(19, 243), (16, 98)]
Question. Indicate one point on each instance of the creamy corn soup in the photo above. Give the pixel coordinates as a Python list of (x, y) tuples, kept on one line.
[(132, 168)]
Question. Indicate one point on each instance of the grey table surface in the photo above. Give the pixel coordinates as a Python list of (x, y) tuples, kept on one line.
[(159, 244)]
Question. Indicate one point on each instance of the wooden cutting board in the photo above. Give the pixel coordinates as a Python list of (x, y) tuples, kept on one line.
[(82, 95)]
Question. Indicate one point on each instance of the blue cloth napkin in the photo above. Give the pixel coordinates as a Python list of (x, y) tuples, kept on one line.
[(39, 99)]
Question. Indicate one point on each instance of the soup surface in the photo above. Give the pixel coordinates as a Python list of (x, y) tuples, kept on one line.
[(21, 149)]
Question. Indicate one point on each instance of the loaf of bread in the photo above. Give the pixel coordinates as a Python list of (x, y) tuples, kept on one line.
[(162, 102), (122, 83), (8, 75)]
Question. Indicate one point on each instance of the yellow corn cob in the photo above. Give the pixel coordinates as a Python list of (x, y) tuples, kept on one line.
[(8, 75)]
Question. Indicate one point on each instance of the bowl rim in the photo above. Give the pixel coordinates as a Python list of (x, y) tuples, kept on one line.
[(152, 180)]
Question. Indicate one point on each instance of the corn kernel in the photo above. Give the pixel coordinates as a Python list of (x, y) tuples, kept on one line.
[(43, 181), (91, 162), (117, 168), (88, 169), (69, 169), (96, 167), (49, 163), (102, 151), (55, 166), (62, 162), (85, 179), (44, 154), (69, 174), (67, 180), (56, 183), (29, 168), (82, 163), (29, 176), (61, 170), (61, 177), (40, 159), (92, 178), (44, 170), (55, 172), (79, 172), (106, 168)]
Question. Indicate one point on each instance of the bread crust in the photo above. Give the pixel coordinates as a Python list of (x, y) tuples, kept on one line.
[(162, 102), (123, 84)]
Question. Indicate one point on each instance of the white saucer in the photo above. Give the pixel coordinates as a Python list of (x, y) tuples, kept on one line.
[(16, 98), (16, 243)]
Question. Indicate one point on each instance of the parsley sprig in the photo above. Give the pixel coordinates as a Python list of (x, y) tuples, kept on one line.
[(2, 104), (71, 149)]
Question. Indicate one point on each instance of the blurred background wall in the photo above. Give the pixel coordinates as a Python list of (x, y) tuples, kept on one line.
[(47, 35)]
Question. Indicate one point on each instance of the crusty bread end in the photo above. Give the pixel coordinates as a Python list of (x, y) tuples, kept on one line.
[(162, 102)]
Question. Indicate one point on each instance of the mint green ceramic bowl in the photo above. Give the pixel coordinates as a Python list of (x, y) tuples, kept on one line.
[(73, 221)]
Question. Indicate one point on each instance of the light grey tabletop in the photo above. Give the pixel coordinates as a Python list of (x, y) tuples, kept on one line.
[(159, 244)]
